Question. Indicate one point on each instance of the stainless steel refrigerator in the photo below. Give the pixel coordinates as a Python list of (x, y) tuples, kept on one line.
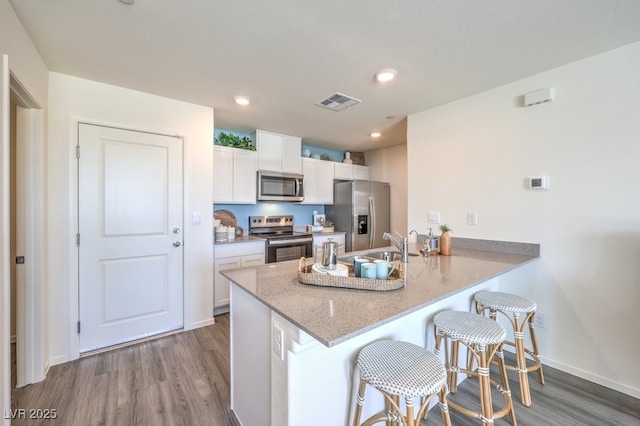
[(361, 208)]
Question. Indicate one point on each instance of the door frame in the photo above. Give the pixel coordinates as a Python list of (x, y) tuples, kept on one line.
[(74, 217), (5, 351), (30, 295)]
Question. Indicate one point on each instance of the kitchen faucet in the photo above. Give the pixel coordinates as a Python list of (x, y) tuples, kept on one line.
[(402, 245), (426, 247)]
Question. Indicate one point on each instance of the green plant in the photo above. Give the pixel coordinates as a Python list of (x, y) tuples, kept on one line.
[(444, 228), (228, 139), (326, 157), (327, 223)]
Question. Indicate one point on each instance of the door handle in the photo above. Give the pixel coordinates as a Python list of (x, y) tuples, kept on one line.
[(176, 243)]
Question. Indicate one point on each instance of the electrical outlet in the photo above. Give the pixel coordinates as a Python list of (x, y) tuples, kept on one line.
[(277, 341), (539, 320), (472, 218)]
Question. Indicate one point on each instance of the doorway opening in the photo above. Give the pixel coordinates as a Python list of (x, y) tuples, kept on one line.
[(27, 236)]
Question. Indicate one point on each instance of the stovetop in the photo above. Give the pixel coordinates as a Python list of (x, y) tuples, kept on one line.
[(274, 227)]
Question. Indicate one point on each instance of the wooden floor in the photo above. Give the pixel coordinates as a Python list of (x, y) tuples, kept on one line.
[(183, 379)]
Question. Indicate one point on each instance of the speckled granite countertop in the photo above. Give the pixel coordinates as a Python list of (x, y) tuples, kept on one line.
[(240, 239), (333, 315)]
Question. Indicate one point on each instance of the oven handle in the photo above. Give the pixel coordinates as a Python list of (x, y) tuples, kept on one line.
[(289, 242)]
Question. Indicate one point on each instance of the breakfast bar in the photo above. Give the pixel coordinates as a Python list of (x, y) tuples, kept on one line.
[(294, 345)]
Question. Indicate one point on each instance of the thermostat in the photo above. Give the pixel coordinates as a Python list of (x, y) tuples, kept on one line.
[(538, 182)]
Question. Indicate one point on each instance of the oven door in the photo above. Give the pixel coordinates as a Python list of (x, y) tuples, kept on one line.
[(289, 249)]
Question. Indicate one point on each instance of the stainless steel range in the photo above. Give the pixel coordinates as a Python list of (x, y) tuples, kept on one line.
[(282, 242)]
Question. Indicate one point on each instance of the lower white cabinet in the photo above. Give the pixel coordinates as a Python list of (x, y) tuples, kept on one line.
[(318, 240), (229, 256)]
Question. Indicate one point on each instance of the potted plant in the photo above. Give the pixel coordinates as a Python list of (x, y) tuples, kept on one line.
[(234, 141), (445, 240), (328, 226)]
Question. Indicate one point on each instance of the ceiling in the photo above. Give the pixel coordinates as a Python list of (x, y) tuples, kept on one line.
[(286, 55)]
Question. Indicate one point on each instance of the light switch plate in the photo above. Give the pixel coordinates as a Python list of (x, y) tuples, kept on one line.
[(433, 217), (472, 218)]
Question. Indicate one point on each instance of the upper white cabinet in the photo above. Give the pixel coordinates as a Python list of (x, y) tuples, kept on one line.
[(318, 181), (343, 171), (280, 153), (360, 172), (234, 175)]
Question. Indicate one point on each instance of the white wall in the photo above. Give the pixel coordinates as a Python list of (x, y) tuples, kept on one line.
[(72, 98), (390, 165), (479, 151)]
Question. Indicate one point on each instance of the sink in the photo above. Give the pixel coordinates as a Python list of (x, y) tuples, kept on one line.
[(373, 255)]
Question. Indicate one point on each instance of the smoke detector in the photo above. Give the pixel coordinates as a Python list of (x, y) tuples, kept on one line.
[(338, 102)]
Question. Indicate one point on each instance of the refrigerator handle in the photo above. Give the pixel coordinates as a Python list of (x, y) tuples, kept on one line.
[(372, 214)]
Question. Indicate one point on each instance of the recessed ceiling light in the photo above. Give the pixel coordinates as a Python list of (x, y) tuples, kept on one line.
[(375, 135), (241, 100), (127, 1), (385, 75)]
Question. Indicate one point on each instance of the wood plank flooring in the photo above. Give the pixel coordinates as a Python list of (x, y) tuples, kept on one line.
[(183, 379)]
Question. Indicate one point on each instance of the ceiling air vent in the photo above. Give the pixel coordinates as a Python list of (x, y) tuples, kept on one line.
[(338, 102)]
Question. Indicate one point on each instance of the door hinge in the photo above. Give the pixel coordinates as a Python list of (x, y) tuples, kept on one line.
[(78, 327), (77, 151), (78, 239), (19, 260)]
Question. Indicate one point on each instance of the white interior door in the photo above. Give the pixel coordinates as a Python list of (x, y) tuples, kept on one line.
[(130, 233)]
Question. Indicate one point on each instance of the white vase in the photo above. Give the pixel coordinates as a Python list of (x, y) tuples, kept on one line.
[(347, 158)]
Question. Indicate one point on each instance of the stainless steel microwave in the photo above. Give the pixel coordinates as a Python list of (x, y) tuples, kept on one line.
[(274, 186)]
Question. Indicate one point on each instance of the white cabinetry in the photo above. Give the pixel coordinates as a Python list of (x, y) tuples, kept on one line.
[(318, 181), (318, 240), (276, 152), (234, 175), (228, 256), (360, 172), (344, 171)]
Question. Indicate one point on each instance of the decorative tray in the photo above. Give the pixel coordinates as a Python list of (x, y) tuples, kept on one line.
[(307, 276)]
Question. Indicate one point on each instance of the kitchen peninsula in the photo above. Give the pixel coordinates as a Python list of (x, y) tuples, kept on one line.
[(293, 345)]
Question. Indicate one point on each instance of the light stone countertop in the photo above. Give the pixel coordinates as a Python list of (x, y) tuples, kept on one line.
[(333, 315), (239, 239)]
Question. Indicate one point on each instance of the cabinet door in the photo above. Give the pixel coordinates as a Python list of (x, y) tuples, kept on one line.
[(360, 172), (253, 259), (291, 156), (222, 169), (343, 171), (324, 180), (269, 146), (310, 171), (245, 165), (221, 289)]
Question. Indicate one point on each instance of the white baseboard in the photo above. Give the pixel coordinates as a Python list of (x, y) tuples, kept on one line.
[(620, 387)]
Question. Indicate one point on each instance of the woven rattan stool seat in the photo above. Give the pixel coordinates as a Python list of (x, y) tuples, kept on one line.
[(401, 369), (512, 307), (469, 327), (505, 301)]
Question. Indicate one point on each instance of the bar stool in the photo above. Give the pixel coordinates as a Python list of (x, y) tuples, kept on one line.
[(395, 368), (483, 339), (510, 306)]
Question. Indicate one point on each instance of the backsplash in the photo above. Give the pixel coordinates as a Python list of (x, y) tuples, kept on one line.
[(302, 213)]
